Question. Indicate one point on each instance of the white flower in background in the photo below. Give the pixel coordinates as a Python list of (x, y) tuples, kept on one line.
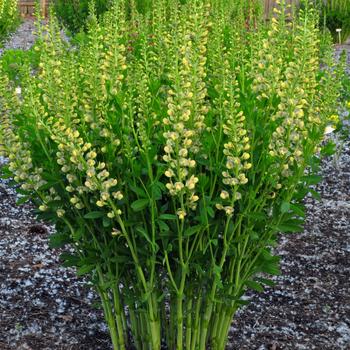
[(338, 30), (18, 90), (329, 129)]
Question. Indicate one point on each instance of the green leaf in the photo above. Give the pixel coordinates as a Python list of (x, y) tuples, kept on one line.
[(257, 216), (69, 259), (312, 179), (168, 217), (156, 191), (266, 281), (285, 206), (144, 234), (140, 204), (83, 270), (298, 209), (94, 215), (271, 268), (138, 190), (22, 200), (254, 285), (58, 240), (106, 222), (163, 226), (210, 212), (77, 234), (192, 230), (329, 149), (315, 194), (289, 228)]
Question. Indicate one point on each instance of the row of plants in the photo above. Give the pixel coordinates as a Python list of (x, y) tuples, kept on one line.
[(169, 148), (335, 15), (8, 17)]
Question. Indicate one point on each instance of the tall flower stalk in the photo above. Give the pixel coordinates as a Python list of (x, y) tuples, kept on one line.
[(169, 149)]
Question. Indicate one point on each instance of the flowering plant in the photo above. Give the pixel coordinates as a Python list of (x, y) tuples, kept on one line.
[(8, 16), (73, 14), (169, 151)]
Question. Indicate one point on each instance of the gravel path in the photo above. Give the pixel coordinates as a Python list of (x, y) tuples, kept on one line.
[(23, 38), (46, 307)]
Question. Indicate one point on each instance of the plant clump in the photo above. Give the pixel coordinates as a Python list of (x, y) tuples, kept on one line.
[(8, 17), (169, 150)]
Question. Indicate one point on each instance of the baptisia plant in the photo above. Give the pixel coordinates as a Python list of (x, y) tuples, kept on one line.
[(169, 150), (8, 17)]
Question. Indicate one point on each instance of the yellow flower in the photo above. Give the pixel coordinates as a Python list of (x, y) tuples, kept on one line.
[(229, 210), (118, 195), (334, 118), (43, 207), (181, 214), (169, 173), (224, 195), (115, 232)]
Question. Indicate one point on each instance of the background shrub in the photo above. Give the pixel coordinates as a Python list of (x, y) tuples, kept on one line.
[(335, 14), (12, 62), (73, 14)]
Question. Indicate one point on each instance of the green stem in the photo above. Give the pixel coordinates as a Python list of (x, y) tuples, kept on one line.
[(118, 317), (109, 319), (189, 322), (196, 322), (179, 311)]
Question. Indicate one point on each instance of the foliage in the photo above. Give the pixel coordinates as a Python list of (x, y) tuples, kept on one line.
[(74, 14), (335, 14), (169, 150), (13, 61), (8, 17)]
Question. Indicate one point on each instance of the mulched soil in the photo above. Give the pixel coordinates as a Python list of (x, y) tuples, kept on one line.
[(44, 306)]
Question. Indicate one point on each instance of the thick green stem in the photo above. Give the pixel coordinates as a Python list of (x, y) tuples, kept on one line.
[(225, 326), (196, 322), (216, 326), (189, 322), (118, 317), (179, 311), (110, 320), (135, 329)]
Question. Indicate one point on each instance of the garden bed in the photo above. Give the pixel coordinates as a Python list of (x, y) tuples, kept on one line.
[(45, 306)]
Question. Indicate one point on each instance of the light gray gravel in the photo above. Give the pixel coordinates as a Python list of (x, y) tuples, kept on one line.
[(23, 38)]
